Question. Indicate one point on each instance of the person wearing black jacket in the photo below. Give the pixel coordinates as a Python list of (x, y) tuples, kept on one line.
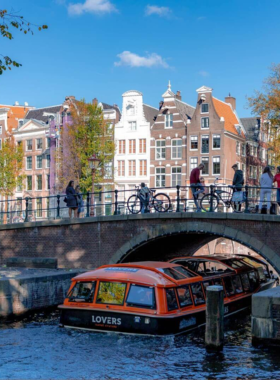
[(237, 182)]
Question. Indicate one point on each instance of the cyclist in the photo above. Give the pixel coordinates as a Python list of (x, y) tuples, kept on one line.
[(196, 186), (144, 195)]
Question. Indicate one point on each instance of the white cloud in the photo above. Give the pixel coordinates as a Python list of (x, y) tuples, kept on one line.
[(133, 60), (203, 73), (91, 6), (159, 11)]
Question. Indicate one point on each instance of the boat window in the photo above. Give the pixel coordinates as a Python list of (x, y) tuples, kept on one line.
[(206, 284), (191, 264), (235, 264), (141, 296), (218, 282), (253, 280), (236, 281), (184, 296), (82, 292), (245, 282), (215, 268), (111, 293), (198, 295), (184, 271), (172, 273), (172, 303), (228, 286)]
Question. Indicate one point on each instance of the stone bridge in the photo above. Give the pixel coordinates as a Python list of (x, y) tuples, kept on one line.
[(90, 242)]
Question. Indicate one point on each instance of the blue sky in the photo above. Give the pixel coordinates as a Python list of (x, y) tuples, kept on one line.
[(102, 48)]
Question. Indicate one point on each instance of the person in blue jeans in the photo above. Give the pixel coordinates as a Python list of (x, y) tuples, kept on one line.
[(196, 186), (144, 194)]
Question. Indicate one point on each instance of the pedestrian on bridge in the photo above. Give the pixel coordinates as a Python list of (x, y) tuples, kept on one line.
[(266, 183), (196, 186), (71, 200), (277, 180)]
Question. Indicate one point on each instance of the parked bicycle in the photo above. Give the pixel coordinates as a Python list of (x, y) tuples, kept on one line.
[(160, 202), (235, 200)]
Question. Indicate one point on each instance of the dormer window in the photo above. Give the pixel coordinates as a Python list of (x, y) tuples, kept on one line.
[(204, 107), (168, 120)]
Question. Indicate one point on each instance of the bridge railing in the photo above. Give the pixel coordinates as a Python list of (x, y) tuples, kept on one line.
[(214, 198)]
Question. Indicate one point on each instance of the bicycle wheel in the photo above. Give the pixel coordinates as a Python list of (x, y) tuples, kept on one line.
[(161, 202), (205, 202), (134, 204), (238, 206)]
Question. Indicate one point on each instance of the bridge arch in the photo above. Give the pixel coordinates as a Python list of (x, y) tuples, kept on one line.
[(166, 241)]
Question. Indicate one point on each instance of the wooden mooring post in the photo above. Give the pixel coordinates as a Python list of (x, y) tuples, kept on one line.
[(214, 333)]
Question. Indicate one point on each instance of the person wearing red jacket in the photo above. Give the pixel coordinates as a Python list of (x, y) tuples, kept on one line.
[(196, 186), (277, 179)]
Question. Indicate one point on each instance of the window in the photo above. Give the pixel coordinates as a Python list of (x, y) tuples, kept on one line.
[(176, 176), (1, 130), (205, 161), (39, 161), (142, 146), (28, 144), (141, 296), (48, 142), (39, 144), (184, 296), (253, 281), (38, 182), (253, 172), (193, 162), (121, 146), (238, 148), (204, 107), (204, 144), (216, 165), (255, 150), (245, 282), (82, 292), (143, 167), (229, 286), (243, 149), (111, 293), (39, 207), (194, 143), (48, 184), (29, 182), (169, 121), (243, 168), (205, 122), (198, 295), (132, 146), (108, 170), (176, 149), (160, 177), (132, 125), (237, 284), (216, 141), (131, 168), (19, 186), (29, 163), (160, 150), (48, 161), (121, 168), (172, 303)]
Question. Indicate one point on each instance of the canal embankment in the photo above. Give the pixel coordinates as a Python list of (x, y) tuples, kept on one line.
[(29, 289)]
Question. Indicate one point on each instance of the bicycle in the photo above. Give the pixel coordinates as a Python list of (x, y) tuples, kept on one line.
[(224, 197), (160, 202)]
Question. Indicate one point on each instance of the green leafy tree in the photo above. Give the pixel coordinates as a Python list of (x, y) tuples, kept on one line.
[(9, 22), (11, 166), (266, 104), (88, 134)]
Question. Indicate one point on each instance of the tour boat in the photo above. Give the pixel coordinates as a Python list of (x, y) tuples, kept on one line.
[(155, 298)]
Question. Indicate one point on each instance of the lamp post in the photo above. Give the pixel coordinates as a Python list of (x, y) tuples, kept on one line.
[(93, 164)]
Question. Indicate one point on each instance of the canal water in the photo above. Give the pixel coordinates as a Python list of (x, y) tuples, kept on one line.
[(38, 349)]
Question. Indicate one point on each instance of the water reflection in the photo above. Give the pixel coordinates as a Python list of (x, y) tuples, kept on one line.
[(38, 348)]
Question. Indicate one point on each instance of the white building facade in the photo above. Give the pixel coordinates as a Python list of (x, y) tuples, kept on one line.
[(132, 139)]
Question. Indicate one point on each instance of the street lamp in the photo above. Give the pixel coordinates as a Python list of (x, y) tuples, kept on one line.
[(93, 164)]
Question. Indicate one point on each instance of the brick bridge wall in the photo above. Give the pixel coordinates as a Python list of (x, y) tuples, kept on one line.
[(88, 243)]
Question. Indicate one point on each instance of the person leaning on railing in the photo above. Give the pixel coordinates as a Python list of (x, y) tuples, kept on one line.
[(237, 182), (195, 184), (266, 183), (277, 180)]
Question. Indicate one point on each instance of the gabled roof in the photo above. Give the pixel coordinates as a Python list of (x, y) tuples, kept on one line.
[(185, 110), (252, 126), (15, 113), (150, 113), (37, 124), (106, 106), (224, 110), (204, 89), (41, 113)]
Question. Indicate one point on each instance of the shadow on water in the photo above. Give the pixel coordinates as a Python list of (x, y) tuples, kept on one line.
[(36, 348)]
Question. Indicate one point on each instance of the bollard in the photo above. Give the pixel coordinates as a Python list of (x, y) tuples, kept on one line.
[(214, 333)]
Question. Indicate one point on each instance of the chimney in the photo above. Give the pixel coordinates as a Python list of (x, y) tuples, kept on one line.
[(231, 100), (95, 101), (178, 95), (160, 105)]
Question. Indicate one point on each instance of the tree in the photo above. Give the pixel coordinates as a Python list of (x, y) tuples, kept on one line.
[(267, 105), (11, 165), (88, 134), (8, 22)]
